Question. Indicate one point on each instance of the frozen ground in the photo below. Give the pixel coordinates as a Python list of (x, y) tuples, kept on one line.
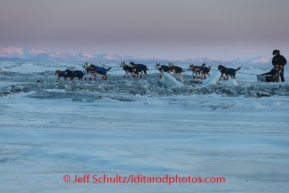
[(51, 128)]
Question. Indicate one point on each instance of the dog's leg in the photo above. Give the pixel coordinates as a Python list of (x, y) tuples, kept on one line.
[(195, 75), (201, 75), (162, 74), (227, 77), (222, 75)]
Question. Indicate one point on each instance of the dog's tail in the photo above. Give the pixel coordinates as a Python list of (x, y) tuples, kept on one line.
[(209, 67), (238, 68), (108, 69)]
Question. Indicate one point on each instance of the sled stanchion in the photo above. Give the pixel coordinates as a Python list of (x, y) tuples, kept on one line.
[(277, 75)]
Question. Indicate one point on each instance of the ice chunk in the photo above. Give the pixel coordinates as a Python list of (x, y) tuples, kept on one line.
[(213, 79), (179, 78), (230, 82), (169, 81)]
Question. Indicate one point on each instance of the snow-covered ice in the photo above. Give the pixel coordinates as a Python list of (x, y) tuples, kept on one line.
[(48, 128)]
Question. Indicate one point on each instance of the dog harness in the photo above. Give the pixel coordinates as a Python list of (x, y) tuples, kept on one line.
[(63, 74), (100, 70)]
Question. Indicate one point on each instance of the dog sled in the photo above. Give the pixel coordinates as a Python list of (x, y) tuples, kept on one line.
[(272, 76)]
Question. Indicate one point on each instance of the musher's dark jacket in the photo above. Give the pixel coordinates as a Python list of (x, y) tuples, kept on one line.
[(279, 60)]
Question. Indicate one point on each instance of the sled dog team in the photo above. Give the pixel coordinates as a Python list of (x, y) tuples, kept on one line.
[(200, 72), (140, 70)]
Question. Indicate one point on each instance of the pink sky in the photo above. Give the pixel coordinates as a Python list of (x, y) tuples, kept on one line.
[(171, 29)]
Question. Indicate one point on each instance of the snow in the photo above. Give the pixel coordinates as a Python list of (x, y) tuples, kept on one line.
[(52, 128)]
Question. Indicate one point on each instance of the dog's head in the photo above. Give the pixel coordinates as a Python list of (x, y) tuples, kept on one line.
[(85, 65), (122, 64), (158, 66), (131, 64), (57, 72), (221, 68), (192, 67)]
